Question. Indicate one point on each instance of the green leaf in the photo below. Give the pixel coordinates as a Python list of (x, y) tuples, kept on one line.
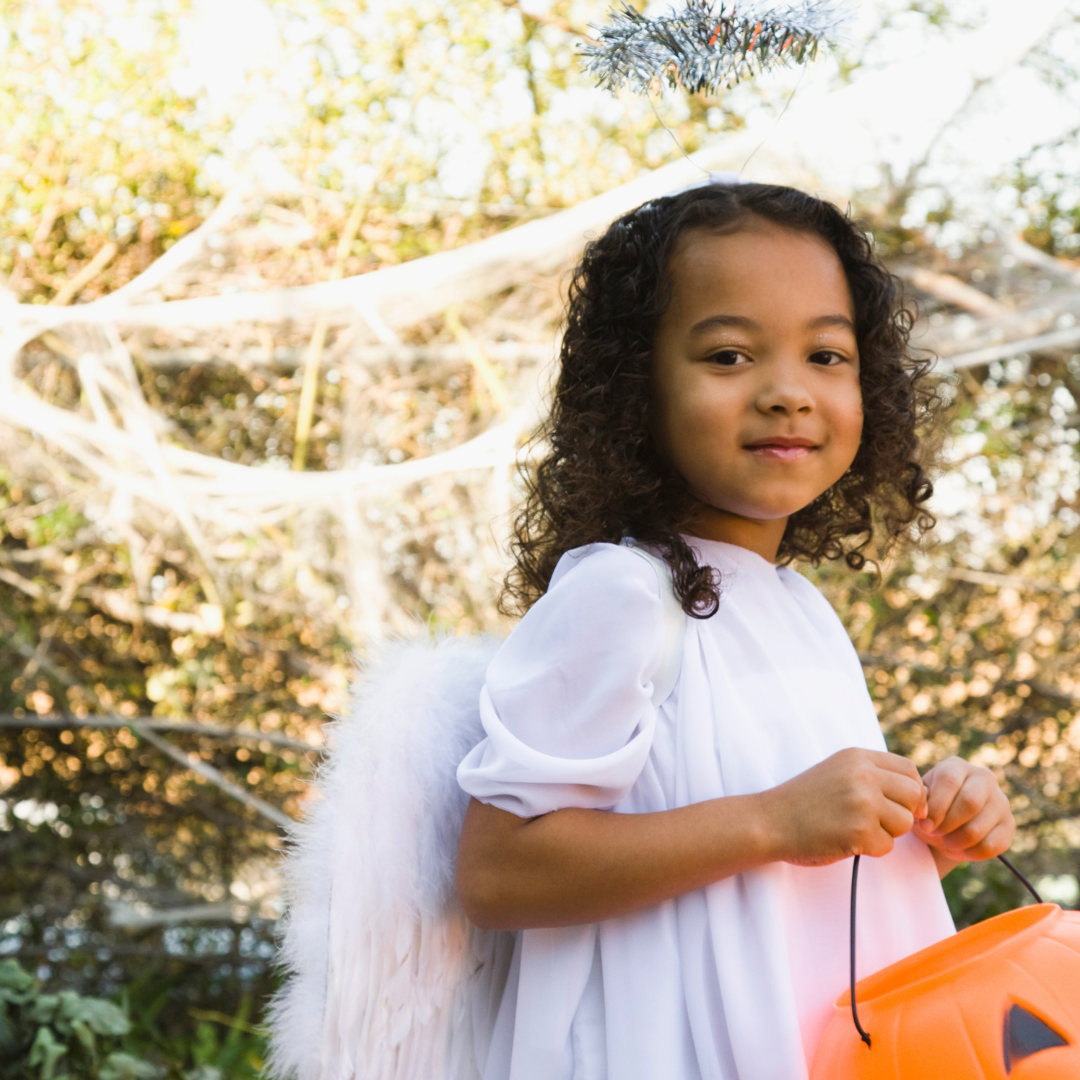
[(59, 1020), (16, 985), (43, 1008), (85, 1036), (204, 1072), (120, 1066), (9, 1037), (102, 1017), (45, 1053)]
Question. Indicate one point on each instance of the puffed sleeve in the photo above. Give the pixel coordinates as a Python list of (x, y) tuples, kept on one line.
[(566, 701)]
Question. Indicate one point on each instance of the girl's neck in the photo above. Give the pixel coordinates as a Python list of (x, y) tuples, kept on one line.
[(761, 537)]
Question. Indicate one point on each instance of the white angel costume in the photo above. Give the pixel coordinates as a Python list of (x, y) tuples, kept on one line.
[(735, 981)]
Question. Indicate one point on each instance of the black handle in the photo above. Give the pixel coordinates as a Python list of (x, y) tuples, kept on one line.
[(854, 891)]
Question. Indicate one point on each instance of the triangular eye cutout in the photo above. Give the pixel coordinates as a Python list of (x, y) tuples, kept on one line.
[(1025, 1035)]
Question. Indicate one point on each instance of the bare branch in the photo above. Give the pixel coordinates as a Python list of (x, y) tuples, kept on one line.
[(208, 620), (211, 731), (1058, 339), (33, 653), (75, 285), (951, 290), (208, 772), (284, 358), (17, 581), (1032, 256), (1000, 581), (130, 918)]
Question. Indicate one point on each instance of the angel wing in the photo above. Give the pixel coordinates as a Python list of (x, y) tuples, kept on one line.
[(386, 980)]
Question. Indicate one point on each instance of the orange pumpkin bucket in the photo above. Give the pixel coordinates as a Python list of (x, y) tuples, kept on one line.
[(999, 1001)]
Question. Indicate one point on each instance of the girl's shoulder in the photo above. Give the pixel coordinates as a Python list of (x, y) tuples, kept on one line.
[(809, 596), (602, 566), (600, 596)]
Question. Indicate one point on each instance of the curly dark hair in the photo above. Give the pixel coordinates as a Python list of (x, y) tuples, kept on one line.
[(603, 476)]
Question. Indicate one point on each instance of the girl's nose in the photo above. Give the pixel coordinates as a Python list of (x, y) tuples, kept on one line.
[(784, 394)]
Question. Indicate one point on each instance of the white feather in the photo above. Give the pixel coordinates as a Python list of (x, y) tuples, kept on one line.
[(386, 978)]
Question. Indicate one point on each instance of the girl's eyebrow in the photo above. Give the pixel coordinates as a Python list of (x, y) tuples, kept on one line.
[(831, 320), (741, 321), (714, 321)]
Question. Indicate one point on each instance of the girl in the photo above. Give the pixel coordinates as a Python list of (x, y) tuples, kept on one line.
[(735, 393)]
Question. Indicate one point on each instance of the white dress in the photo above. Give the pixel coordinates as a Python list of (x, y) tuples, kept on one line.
[(735, 981)]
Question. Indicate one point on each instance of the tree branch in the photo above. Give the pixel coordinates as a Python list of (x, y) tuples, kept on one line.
[(1057, 339), (210, 731), (287, 358), (218, 779)]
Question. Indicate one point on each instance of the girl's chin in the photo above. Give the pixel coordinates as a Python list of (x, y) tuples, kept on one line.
[(753, 513), (769, 507)]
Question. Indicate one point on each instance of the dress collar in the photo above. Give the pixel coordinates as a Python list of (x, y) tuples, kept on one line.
[(724, 556)]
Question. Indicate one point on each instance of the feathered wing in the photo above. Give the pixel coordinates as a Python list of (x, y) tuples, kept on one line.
[(387, 980)]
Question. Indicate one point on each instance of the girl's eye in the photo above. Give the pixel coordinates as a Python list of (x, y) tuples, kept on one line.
[(826, 358), (727, 358)]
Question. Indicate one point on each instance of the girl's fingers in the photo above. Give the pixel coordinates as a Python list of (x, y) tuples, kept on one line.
[(996, 842), (976, 792), (943, 783), (957, 807), (895, 818), (881, 843), (904, 790), (894, 763), (975, 831)]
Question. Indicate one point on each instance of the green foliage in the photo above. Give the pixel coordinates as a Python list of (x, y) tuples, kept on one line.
[(66, 1036), (1050, 200), (62, 1036), (206, 1045), (102, 150), (55, 525), (435, 108)]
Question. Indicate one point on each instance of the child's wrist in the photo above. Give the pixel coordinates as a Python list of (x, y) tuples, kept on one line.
[(766, 818)]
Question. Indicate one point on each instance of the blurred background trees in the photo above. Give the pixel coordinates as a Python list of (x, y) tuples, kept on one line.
[(166, 667)]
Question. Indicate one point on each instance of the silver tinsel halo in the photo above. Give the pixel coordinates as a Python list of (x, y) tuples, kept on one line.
[(707, 46)]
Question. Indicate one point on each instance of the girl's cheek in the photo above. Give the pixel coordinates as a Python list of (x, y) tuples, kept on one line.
[(848, 415)]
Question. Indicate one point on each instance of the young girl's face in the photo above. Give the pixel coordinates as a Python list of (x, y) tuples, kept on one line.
[(756, 376)]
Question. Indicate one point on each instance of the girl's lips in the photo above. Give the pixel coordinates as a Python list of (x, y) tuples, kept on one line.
[(777, 452)]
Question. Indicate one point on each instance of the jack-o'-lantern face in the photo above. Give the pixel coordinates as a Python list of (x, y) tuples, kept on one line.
[(999, 1001)]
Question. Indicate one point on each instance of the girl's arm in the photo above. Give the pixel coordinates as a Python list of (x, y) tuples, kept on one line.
[(580, 866)]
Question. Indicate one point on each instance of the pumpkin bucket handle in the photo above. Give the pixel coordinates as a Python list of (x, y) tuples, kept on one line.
[(864, 1035), (851, 953), (1023, 880)]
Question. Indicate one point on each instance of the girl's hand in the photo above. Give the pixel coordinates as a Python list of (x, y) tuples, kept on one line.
[(967, 814), (853, 803)]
